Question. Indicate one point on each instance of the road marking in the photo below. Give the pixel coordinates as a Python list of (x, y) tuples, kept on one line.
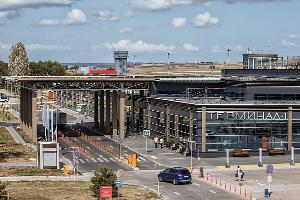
[(87, 160), (143, 158), (153, 157), (196, 184), (105, 159), (212, 191), (100, 159), (261, 184), (81, 161), (177, 193), (112, 159), (93, 160), (166, 153), (101, 156)]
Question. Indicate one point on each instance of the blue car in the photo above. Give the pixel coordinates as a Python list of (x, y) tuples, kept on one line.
[(175, 175)]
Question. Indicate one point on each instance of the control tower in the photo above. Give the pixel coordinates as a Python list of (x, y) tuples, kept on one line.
[(121, 61)]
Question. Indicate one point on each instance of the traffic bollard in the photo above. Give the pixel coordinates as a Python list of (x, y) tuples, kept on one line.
[(292, 156), (260, 163)]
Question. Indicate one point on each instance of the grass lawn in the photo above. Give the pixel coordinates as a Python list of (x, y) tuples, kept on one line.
[(10, 151), (70, 191)]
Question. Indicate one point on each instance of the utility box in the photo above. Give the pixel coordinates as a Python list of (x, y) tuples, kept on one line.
[(48, 155)]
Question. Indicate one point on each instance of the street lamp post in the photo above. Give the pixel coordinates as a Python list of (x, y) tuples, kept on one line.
[(134, 64), (191, 149), (168, 63), (228, 55)]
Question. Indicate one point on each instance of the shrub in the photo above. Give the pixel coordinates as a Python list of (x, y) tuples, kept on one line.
[(105, 176)]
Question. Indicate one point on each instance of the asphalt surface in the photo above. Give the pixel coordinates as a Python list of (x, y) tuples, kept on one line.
[(198, 190)]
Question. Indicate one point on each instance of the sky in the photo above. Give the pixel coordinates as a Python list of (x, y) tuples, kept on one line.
[(90, 30)]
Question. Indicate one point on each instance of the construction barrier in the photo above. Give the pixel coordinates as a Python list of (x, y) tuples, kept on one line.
[(237, 189)]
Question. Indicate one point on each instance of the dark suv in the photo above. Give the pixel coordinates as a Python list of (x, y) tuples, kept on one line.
[(175, 175)]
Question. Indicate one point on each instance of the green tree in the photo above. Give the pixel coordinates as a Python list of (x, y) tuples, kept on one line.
[(46, 68), (3, 192), (18, 61), (105, 176), (3, 68)]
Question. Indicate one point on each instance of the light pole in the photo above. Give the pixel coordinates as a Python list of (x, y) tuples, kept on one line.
[(228, 55), (168, 63), (134, 56), (191, 149)]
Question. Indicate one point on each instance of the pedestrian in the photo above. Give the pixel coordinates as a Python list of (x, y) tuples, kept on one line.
[(161, 141), (156, 141), (238, 173)]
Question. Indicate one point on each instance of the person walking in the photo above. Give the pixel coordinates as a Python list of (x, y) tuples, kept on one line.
[(161, 141), (156, 140), (238, 173)]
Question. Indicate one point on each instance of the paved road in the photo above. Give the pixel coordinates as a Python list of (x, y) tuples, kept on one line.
[(88, 163), (197, 191), (285, 181)]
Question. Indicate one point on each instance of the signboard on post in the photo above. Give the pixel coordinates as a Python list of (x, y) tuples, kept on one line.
[(270, 169), (105, 191), (146, 133), (118, 183), (77, 154)]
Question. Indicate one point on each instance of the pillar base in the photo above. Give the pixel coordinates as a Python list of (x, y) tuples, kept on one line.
[(227, 165), (260, 164), (292, 163)]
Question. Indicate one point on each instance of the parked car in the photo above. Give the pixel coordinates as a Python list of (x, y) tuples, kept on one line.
[(175, 175)]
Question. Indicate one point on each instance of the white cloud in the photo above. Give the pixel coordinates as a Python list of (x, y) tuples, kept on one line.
[(190, 47), (46, 47), (106, 15), (5, 15), (288, 43), (19, 4), (179, 22), (137, 46), (126, 30), (154, 5), (74, 17), (292, 36), (205, 19)]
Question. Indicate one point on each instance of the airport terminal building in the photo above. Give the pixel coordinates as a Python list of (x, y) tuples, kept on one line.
[(248, 110)]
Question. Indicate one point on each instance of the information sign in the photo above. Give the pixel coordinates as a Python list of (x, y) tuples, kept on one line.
[(105, 191)]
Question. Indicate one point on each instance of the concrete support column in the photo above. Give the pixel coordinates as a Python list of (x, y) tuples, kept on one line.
[(88, 104), (167, 122), (132, 108), (72, 100), (107, 116), (122, 114), (140, 119), (26, 112), (177, 126), (29, 104), (21, 106), (191, 124), (96, 114), (114, 113), (290, 128), (149, 116), (102, 111), (203, 146), (34, 116)]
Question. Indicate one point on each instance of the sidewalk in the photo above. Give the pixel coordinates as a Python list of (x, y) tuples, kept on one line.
[(169, 158)]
